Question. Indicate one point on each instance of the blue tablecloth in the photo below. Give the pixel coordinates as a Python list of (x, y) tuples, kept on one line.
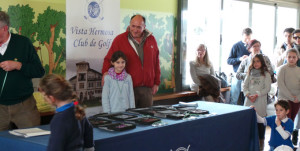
[(233, 128)]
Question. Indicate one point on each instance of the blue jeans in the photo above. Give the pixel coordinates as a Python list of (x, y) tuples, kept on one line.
[(272, 148), (235, 90)]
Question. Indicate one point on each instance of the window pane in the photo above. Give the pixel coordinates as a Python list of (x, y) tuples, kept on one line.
[(203, 26), (287, 17), (263, 27), (235, 19)]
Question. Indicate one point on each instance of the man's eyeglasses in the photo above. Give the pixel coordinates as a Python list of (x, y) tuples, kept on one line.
[(296, 37)]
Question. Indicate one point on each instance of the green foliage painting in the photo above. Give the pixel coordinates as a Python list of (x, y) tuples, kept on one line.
[(163, 28), (47, 32)]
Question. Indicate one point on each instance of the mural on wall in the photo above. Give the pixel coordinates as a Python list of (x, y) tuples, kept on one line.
[(45, 26), (53, 38), (89, 40), (46, 31), (162, 25)]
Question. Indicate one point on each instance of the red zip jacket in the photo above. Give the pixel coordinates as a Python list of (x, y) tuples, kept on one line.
[(146, 75)]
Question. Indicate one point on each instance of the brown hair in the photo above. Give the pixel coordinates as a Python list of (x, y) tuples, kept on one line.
[(292, 50), (209, 86), (58, 87), (296, 31), (247, 31), (289, 30), (283, 103), (263, 67), (205, 58), (118, 54), (251, 43)]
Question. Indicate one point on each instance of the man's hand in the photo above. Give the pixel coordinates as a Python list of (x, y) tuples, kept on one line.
[(154, 89), (10, 65), (289, 46), (102, 81), (243, 57)]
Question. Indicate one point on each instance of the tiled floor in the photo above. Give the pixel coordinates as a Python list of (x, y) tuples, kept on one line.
[(267, 138)]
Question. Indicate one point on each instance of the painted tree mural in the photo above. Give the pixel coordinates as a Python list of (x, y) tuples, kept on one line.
[(22, 22), (49, 26), (47, 32)]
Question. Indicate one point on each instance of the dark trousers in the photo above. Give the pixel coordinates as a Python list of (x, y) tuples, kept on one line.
[(294, 108), (143, 97), (261, 130), (241, 100)]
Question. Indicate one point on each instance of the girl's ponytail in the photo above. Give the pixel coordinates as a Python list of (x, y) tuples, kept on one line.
[(79, 111), (61, 89)]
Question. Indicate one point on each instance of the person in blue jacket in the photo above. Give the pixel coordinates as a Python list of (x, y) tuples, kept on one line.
[(70, 129), (281, 126), (237, 54)]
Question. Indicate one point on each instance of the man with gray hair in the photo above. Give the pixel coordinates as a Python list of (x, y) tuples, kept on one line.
[(140, 47), (19, 63)]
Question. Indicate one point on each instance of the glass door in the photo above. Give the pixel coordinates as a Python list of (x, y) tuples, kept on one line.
[(235, 19), (203, 26), (219, 25), (286, 18), (263, 27)]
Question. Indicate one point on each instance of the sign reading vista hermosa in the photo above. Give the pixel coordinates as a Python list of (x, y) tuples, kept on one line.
[(91, 42), (91, 27)]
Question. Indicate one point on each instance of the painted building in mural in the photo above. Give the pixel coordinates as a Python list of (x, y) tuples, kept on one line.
[(87, 82)]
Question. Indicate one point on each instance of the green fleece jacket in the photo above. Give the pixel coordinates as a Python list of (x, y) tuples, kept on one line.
[(18, 84)]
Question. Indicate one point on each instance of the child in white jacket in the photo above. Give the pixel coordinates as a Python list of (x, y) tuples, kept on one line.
[(117, 93), (256, 86)]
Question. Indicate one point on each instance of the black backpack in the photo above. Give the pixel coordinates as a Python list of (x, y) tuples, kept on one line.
[(223, 78)]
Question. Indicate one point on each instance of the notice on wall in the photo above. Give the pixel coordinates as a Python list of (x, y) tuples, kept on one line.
[(91, 28)]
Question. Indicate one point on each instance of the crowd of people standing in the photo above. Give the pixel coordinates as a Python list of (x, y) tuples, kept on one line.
[(257, 73), (253, 74)]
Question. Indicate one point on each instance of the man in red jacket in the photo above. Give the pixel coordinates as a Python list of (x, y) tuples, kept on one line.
[(140, 47)]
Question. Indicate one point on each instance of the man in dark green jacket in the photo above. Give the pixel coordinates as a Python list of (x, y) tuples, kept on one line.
[(19, 63)]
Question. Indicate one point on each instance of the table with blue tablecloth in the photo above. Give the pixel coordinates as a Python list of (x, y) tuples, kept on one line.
[(231, 128)]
